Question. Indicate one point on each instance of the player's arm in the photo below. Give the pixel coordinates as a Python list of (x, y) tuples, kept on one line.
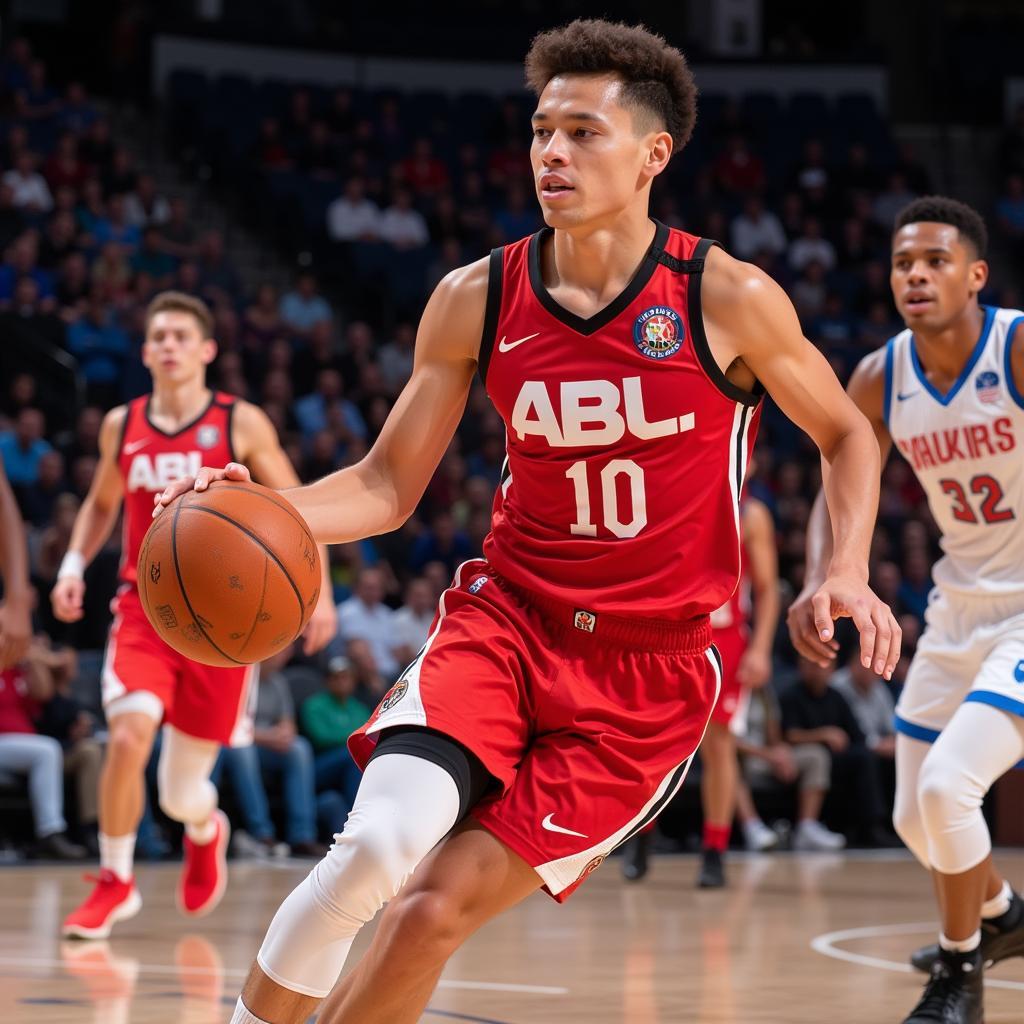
[(755, 667), (751, 320), (95, 520), (867, 390), (16, 610), (256, 442), (1016, 343), (380, 492)]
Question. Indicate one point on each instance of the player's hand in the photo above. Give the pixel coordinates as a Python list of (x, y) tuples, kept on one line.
[(803, 631), (834, 738), (202, 480), (15, 631), (66, 598), (754, 669), (322, 625), (846, 596)]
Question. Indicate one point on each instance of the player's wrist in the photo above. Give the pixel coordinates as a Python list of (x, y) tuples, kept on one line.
[(855, 568), (72, 566)]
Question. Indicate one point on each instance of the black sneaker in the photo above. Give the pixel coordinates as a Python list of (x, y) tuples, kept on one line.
[(634, 858), (712, 871), (1001, 938), (57, 846), (953, 994)]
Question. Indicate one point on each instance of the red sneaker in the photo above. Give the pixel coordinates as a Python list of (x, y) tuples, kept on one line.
[(205, 874), (110, 901)]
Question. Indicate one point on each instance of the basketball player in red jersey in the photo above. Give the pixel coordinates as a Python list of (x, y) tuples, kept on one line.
[(569, 676), (145, 446)]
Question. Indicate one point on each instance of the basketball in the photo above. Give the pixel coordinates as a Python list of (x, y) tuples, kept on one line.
[(230, 575)]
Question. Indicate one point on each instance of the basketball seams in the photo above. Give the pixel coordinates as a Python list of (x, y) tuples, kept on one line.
[(252, 536), (259, 609), (184, 592), (278, 501)]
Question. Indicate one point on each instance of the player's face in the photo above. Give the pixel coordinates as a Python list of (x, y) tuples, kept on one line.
[(175, 350), (591, 156), (934, 275)]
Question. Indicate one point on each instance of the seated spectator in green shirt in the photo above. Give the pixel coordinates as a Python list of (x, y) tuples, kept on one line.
[(328, 718)]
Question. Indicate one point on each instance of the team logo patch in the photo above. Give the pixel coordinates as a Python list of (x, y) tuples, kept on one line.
[(478, 584), (207, 436), (658, 332), (1018, 672), (394, 695), (592, 866), (987, 384), (582, 619)]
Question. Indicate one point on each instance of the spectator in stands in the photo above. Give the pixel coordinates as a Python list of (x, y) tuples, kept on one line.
[(422, 171), (811, 246), (518, 217), (352, 216), (304, 306), (64, 167), (29, 191), (280, 757), (809, 292), (815, 712), (177, 233), (119, 174), (23, 448), (328, 718), (63, 718), (12, 219), (113, 226), (738, 171), (59, 240), (1010, 214), (77, 114), (111, 272), (101, 348), (91, 209), (412, 621), (72, 288), (219, 282), (327, 407), (872, 704), (888, 204), (402, 225), (97, 147), (39, 759), (396, 356), (917, 581), (37, 101), (38, 499), (152, 259), (36, 315), (768, 760), (23, 261), (811, 178), (318, 155), (756, 230), (270, 151), (366, 633), (443, 542), (145, 205)]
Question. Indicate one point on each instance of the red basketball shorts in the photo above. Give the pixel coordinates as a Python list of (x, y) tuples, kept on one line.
[(200, 700), (589, 722), (731, 709)]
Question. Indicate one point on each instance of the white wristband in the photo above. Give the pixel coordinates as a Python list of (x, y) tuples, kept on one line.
[(72, 566)]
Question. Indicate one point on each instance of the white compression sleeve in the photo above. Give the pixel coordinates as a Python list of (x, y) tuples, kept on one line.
[(979, 745), (405, 806), (183, 777)]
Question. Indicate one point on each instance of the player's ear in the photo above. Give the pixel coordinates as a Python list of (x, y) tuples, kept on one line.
[(659, 153), (978, 275), (209, 351)]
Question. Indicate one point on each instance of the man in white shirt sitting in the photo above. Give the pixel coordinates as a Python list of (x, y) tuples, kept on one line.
[(413, 620), (352, 217), (366, 627)]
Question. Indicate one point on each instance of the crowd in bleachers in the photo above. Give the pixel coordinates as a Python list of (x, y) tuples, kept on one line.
[(384, 193)]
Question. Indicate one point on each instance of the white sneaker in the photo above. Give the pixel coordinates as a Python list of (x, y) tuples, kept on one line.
[(245, 847), (759, 838), (812, 835)]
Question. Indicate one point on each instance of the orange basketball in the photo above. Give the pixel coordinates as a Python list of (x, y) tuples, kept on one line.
[(230, 575)]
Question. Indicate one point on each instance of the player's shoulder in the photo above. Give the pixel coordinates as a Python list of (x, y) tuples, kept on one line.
[(247, 418), (467, 283), (734, 288), (114, 420), (453, 321)]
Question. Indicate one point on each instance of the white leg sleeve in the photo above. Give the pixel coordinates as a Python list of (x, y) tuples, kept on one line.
[(976, 748), (404, 808), (183, 777), (906, 817)]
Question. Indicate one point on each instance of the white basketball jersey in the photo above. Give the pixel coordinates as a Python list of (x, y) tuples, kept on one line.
[(965, 447)]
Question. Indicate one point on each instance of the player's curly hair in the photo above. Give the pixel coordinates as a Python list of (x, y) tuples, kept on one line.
[(181, 302), (656, 78), (944, 210)]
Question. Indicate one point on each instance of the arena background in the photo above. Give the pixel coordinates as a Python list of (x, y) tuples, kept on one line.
[(313, 168)]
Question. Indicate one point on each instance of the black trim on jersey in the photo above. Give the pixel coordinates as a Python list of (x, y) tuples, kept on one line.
[(590, 325), (718, 660), (230, 406), (700, 338), (495, 274), (124, 427), (189, 425), (670, 791), (740, 454)]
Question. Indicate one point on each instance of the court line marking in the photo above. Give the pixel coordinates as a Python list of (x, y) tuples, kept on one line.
[(172, 969), (825, 945)]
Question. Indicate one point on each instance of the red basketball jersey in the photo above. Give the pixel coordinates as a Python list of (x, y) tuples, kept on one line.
[(627, 445), (151, 459), (735, 613)]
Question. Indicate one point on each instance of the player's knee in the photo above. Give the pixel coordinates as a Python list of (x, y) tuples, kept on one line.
[(128, 747), (946, 795), (906, 820), (431, 921)]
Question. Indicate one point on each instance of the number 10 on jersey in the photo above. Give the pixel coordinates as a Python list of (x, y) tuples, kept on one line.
[(607, 483)]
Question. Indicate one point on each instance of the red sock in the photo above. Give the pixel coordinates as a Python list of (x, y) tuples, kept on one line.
[(716, 837)]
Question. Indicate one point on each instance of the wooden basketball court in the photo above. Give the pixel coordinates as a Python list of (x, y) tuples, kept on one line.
[(795, 939)]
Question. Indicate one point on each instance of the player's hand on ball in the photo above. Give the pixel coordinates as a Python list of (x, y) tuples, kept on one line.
[(322, 625), (881, 638), (66, 598), (202, 480)]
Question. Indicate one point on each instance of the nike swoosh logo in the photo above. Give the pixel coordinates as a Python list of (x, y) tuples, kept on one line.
[(901, 397), (552, 827), (507, 346), (131, 449)]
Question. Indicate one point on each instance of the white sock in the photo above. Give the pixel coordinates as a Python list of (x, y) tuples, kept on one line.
[(202, 834), (243, 1016), (962, 946), (999, 904), (117, 854)]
